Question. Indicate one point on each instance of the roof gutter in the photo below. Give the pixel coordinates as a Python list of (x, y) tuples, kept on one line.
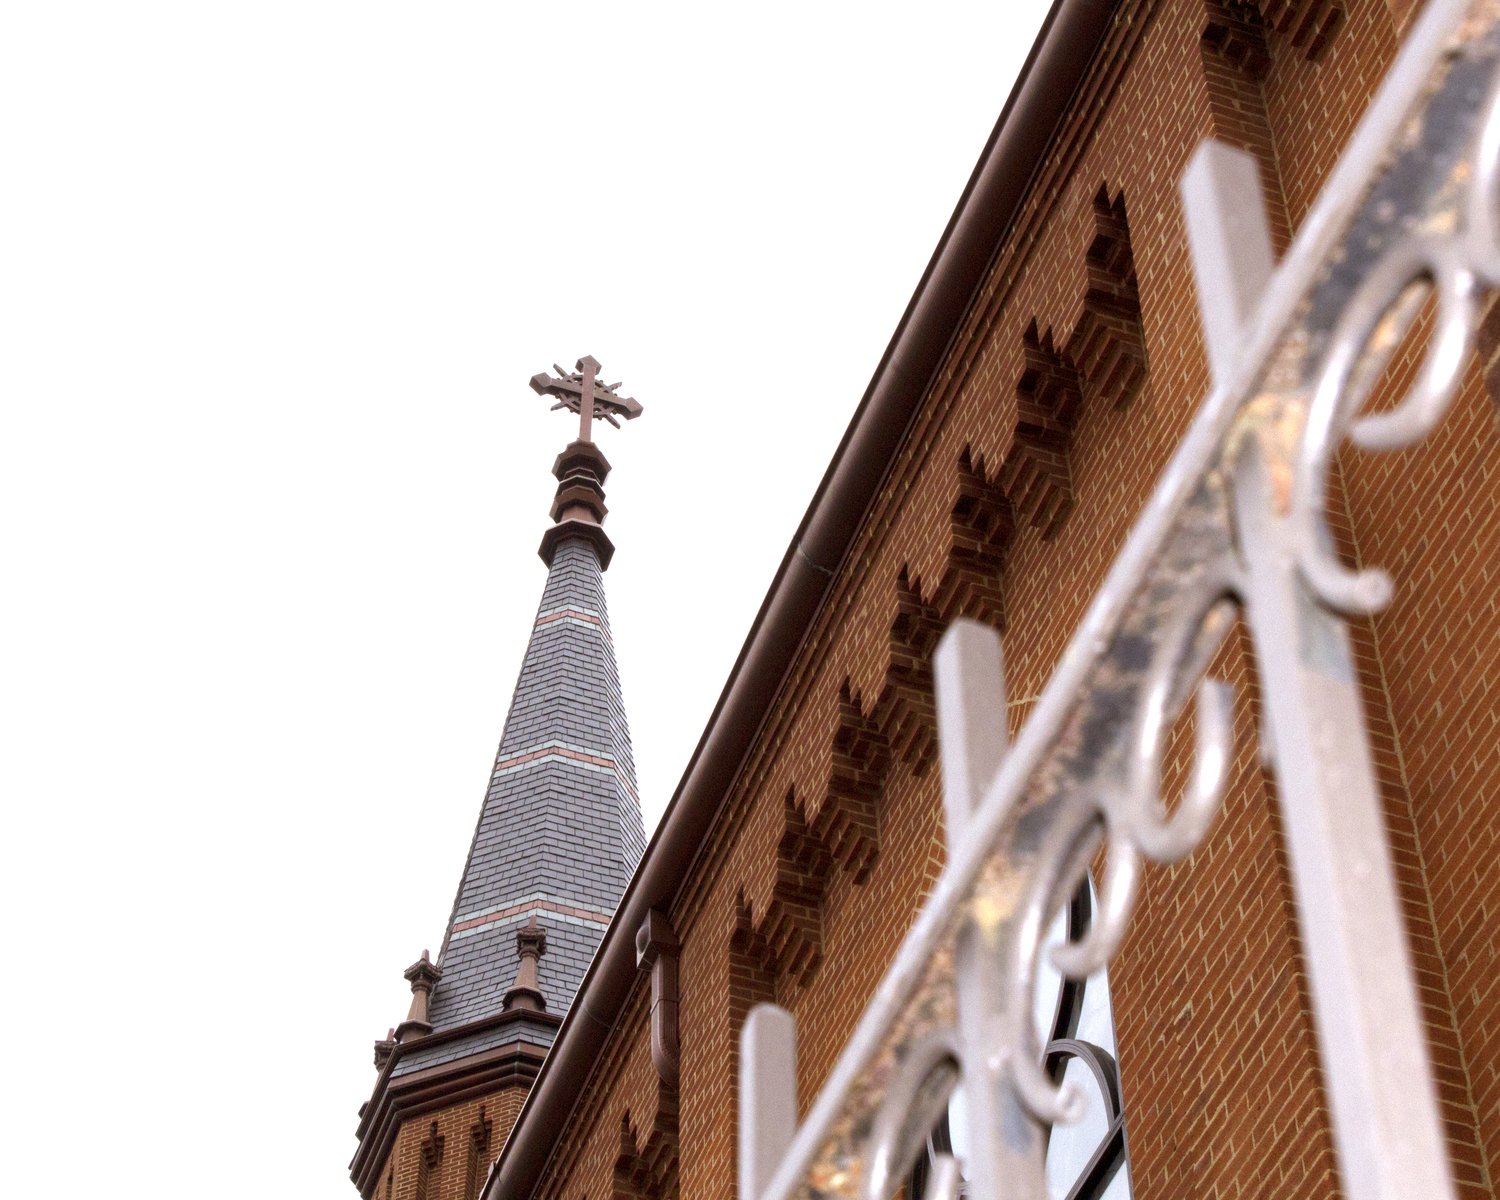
[(995, 190)]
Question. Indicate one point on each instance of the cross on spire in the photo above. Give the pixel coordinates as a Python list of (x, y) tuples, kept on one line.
[(581, 392)]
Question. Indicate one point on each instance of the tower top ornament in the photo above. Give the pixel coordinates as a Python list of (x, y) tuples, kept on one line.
[(580, 392)]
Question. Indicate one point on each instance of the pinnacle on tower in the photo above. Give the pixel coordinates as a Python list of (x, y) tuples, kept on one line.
[(423, 977), (531, 944)]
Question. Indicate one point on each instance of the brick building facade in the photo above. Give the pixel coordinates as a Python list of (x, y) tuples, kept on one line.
[(1047, 367)]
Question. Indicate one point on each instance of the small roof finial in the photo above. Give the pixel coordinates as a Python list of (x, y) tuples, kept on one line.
[(384, 1048), (423, 976), (525, 993)]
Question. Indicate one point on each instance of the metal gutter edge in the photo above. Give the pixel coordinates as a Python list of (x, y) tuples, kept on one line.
[(999, 183)]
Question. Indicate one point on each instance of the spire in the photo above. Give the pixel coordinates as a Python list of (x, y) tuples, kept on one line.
[(560, 831)]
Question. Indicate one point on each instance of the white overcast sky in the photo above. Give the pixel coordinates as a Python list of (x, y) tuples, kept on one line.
[(273, 278)]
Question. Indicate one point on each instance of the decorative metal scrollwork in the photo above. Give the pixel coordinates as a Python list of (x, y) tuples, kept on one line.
[(1138, 824), (1453, 254)]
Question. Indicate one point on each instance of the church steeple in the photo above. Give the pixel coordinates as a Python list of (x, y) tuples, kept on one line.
[(559, 833)]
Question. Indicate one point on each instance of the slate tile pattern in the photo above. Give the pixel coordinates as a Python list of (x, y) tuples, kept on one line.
[(560, 832)]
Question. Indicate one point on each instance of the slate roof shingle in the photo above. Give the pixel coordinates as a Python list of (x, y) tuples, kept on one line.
[(560, 831)]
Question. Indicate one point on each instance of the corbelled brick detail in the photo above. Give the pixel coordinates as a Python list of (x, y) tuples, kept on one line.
[(479, 1154), (1103, 363), (906, 713), (750, 980), (1236, 59), (647, 1172), (848, 823), (790, 935), (1108, 343), (1308, 25), (1235, 32), (981, 523), (1239, 29), (1036, 474), (429, 1161)]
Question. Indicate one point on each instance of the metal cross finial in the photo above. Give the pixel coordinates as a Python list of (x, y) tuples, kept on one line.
[(581, 392)]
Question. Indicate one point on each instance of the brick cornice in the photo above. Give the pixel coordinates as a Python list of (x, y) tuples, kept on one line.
[(397, 1099)]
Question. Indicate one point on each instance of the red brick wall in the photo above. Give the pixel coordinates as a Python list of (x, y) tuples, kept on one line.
[(445, 1155), (1022, 473)]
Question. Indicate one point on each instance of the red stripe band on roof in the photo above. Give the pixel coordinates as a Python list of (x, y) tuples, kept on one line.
[(563, 614), (553, 750)]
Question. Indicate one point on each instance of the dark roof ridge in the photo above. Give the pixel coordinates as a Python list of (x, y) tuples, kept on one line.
[(1043, 91)]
